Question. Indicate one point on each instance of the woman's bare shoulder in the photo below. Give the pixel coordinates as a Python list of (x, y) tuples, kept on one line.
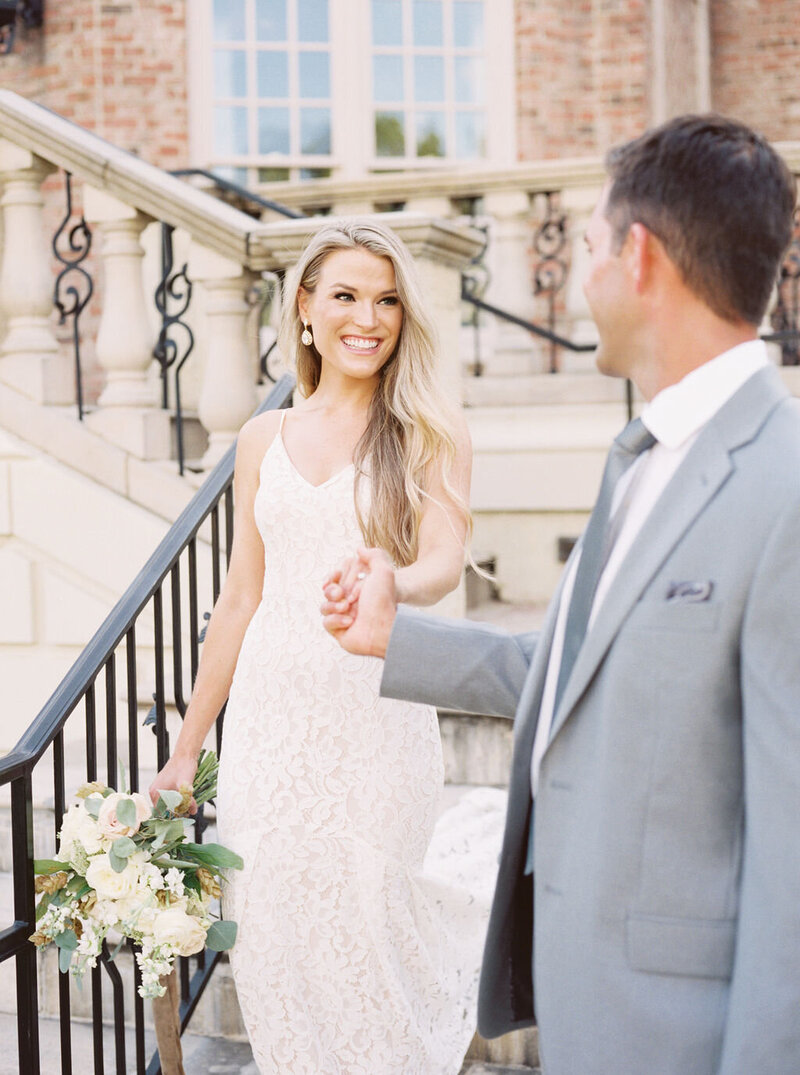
[(256, 435)]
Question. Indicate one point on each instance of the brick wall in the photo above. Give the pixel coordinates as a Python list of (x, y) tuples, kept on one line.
[(755, 65)]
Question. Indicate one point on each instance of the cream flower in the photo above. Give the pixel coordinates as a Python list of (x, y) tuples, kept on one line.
[(107, 883), (183, 931), (108, 822), (78, 827)]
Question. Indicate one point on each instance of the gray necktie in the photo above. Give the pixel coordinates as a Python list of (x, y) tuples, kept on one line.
[(597, 544)]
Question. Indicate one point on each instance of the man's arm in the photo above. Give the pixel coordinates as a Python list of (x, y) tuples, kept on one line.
[(763, 1028)]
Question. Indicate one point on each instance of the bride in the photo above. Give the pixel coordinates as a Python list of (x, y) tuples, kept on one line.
[(353, 956)]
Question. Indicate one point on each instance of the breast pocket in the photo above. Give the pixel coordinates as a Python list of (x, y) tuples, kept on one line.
[(666, 615)]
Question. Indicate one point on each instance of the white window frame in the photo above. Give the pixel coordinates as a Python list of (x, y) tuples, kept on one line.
[(352, 109)]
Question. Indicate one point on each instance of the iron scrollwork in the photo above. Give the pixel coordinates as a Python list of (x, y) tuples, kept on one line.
[(172, 298), (266, 294), (74, 286), (475, 280), (550, 270), (786, 315)]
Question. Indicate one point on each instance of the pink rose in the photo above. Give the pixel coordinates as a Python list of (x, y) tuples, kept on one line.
[(108, 822)]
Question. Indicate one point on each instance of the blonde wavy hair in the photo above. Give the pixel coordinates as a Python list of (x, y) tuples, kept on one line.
[(410, 426)]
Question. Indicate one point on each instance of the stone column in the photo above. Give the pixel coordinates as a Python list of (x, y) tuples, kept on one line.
[(29, 359), (578, 203), (228, 392), (127, 410), (681, 58)]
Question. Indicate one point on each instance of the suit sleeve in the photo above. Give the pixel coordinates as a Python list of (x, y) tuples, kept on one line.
[(763, 1025), (456, 664)]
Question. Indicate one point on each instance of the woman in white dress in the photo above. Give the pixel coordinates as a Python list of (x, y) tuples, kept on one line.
[(352, 958)]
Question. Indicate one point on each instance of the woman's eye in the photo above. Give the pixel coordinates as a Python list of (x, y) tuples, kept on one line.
[(390, 300), (343, 295)]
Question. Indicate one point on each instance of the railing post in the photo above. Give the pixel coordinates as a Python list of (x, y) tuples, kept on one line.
[(127, 410), (29, 358), (228, 394)]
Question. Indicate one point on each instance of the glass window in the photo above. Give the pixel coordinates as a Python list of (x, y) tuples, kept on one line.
[(468, 24), (312, 20), (431, 134), (387, 22), (470, 136), (272, 175), (273, 130), (315, 74), (428, 78), (233, 175), (469, 80), (428, 22), (270, 20), (230, 131), (387, 78), (273, 74), (390, 140), (229, 20), (315, 130), (230, 73)]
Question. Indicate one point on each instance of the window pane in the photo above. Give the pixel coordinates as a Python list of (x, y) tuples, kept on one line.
[(428, 78), (468, 24), (273, 74), (315, 173), (427, 22), (387, 78), (387, 22), (469, 80), (229, 24), (390, 138), (315, 74), (470, 135), (230, 131), (315, 130), (272, 175), (430, 134), (273, 130), (271, 20), (230, 73), (312, 20)]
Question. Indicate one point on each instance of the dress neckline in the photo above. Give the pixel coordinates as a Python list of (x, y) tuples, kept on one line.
[(303, 479)]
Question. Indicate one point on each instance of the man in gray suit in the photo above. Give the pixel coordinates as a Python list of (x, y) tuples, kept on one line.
[(649, 907)]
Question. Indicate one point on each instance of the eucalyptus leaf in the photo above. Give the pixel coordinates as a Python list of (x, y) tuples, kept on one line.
[(113, 955), (123, 780), (117, 864), (44, 867), (221, 936), (213, 855), (66, 939), (123, 846), (181, 864), (126, 812), (64, 959), (170, 798), (43, 904), (92, 805)]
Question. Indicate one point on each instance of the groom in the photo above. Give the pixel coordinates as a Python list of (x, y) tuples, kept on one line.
[(649, 906)]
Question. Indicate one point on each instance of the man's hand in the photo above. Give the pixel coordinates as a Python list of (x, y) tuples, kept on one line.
[(360, 603)]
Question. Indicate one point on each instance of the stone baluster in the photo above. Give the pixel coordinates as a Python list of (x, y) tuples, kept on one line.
[(228, 393), (29, 359), (578, 204)]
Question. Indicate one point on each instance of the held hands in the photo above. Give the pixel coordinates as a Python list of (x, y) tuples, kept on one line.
[(361, 603)]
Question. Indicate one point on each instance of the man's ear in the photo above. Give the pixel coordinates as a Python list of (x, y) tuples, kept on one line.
[(638, 253)]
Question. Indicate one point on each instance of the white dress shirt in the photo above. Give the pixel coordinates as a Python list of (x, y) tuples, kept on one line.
[(675, 417)]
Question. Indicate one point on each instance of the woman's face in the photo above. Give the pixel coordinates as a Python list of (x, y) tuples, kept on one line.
[(354, 313)]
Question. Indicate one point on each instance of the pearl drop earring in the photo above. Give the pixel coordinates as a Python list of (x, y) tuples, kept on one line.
[(306, 337)]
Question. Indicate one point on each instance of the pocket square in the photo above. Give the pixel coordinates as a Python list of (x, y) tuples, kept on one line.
[(690, 591)]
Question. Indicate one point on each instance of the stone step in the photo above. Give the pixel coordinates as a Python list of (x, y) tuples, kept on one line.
[(537, 389)]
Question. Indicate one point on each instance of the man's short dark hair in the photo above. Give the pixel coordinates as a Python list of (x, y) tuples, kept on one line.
[(718, 197)]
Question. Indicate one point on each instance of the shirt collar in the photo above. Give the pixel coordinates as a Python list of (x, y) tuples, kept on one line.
[(682, 409)]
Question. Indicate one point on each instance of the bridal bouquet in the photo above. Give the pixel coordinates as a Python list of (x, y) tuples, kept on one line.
[(125, 867)]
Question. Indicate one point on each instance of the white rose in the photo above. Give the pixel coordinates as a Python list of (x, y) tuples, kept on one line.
[(107, 883), (78, 826), (183, 931), (107, 820)]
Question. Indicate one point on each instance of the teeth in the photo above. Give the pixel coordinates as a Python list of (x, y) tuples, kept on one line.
[(358, 341)]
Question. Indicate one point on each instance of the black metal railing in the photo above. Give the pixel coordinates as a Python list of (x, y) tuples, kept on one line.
[(242, 194), (91, 723)]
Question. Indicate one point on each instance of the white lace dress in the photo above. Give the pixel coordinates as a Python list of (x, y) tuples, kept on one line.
[(353, 957)]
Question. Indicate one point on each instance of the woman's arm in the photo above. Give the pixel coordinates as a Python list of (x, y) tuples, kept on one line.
[(238, 600)]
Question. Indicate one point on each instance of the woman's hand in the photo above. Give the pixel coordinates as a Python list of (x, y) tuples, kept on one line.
[(177, 775), (343, 586), (361, 618)]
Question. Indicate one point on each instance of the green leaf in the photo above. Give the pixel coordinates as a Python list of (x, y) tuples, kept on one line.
[(64, 959), (77, 886), (117, 864), (126, 812), (221, 936), (181, 864), (191, 882), (123, 846), (92, 805), (66, 939), (43, 904), (113, 955), (170, 799), (45, 867), (123, 780), (213, 855)]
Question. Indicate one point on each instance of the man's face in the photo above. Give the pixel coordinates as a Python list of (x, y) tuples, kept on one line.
[(610, 294)]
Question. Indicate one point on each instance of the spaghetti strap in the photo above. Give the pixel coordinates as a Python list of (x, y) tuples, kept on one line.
[(284, 412)]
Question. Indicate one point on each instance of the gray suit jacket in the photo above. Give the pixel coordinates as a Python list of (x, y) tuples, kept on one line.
[(667, 823)]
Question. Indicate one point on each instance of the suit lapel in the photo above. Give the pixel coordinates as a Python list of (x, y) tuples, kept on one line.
[(692, 487)]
